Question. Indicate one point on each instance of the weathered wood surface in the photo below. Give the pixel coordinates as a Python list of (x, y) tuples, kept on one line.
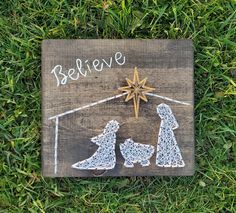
[(168, 65)]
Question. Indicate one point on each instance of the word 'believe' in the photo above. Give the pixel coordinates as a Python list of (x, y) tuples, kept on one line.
[(82, 68)]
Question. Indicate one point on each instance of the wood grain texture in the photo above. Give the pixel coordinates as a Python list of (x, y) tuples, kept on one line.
[(168, 65)]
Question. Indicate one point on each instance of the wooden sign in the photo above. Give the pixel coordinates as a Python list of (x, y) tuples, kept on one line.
[(117, 108)]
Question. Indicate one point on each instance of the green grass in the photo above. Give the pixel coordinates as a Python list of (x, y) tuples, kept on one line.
[(211, 25)]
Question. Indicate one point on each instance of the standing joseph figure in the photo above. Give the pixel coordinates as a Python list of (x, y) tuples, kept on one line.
[(168, 152)]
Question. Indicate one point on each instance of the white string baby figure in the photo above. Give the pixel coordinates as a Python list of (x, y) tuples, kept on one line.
[(105, 157), (168, 152)]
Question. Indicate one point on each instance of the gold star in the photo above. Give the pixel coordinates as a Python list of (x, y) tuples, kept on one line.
[(136, 90)]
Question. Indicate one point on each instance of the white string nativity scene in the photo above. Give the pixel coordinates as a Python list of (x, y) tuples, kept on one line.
[(168, 153)]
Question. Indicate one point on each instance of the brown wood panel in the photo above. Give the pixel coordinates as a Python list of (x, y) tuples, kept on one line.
[(168, 65)]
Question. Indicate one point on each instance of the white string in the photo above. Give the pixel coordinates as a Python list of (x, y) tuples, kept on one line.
[(56, 145), (105, 157), (87, 106), (56, 117), (136, 153), (69, 112), (166, 98), (168, 151)]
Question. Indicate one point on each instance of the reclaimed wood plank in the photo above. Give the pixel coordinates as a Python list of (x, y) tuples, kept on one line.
[(168, 65)]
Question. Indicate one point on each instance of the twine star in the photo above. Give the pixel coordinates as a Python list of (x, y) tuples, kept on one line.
[(136, 90)]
